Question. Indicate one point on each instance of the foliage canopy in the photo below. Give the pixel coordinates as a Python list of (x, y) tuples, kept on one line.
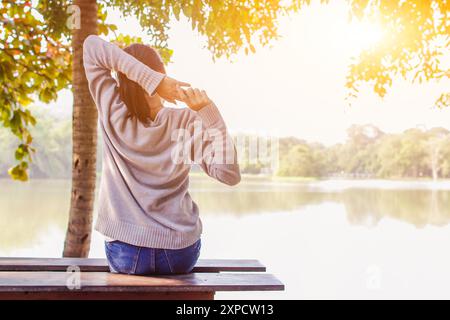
[(35, 53)]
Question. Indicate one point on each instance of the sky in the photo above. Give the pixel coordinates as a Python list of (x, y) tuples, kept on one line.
[(295, 87)]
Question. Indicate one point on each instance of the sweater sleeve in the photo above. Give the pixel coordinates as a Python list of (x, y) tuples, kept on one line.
[(100, 58), (218, 156)]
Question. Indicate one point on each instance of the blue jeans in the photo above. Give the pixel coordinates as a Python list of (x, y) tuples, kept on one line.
[(129, 259)]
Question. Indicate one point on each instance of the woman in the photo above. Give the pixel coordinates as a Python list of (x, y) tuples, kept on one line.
[(150, 222)]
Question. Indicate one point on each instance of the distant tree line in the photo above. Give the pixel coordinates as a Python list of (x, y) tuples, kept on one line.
[(367, 153), (370, 153)]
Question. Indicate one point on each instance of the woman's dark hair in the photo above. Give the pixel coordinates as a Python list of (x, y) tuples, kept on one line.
[(132, 93)]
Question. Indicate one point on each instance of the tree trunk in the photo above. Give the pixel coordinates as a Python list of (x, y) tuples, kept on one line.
[(78, 236)]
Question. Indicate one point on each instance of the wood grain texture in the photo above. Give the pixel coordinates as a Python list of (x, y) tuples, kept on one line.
[(106, 296), (100, 265), (40, 282)]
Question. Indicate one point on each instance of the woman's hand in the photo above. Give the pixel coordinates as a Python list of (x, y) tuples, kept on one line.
[(194, 98), (168, 89)]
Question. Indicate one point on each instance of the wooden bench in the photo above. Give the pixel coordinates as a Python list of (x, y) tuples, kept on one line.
[(53, 278)]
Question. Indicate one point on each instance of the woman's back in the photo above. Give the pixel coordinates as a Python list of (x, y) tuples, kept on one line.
[(144, 198)]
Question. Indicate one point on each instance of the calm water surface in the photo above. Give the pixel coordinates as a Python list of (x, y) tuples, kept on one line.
[(325, 239)]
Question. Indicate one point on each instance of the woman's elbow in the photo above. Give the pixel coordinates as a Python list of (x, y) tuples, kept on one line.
[(235, 180), (232, 178), (90, 43)]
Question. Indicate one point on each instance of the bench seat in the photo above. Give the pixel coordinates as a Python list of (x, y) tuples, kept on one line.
[(45, 278), (61, 264)]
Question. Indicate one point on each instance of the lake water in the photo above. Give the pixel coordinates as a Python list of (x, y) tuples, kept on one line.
[(324, 239)]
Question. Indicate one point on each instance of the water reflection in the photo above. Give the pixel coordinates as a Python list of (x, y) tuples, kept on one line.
[(366, 202), (28, 210), (417, 207)]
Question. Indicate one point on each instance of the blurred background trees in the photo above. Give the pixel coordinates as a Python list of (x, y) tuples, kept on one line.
[(367, 153)]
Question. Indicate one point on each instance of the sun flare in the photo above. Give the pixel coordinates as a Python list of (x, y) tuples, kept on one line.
[(364, 35)]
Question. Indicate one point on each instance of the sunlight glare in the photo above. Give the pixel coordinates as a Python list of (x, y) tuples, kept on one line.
[(364, 35)]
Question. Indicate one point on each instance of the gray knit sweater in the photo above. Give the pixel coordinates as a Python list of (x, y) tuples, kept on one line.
[(144, 198)]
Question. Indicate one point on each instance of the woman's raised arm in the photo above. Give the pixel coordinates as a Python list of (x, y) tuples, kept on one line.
[(213, 148), (101, 57)]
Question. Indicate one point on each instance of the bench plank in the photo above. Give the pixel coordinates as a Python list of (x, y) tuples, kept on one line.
[(101, 265), (106, 296), (41, 282)]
